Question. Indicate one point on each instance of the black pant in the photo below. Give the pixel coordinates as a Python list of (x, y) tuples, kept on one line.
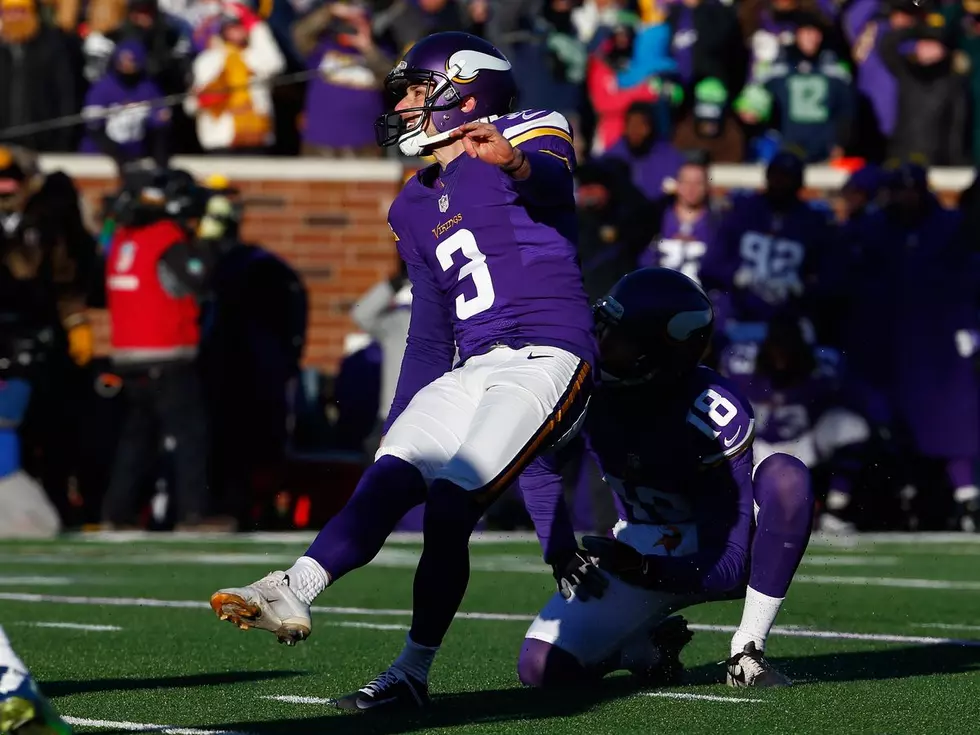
[(162, 400)]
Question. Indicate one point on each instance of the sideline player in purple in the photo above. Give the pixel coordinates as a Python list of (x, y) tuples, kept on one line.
[(488, 235), (698, 522)]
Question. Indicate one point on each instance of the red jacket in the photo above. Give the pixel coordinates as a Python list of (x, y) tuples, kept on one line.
[(148, 324), (610, 102)]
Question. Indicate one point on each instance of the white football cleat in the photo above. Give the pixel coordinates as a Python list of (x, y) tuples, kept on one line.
[(749, 668), (268, 604)]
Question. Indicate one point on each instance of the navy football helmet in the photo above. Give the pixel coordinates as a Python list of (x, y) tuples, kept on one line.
[(455, 66), (654, 322)]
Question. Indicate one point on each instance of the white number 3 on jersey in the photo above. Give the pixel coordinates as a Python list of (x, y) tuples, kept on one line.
[(475, 267), (714, 407)]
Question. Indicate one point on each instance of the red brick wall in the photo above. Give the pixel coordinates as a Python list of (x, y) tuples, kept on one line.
[(334, 233)]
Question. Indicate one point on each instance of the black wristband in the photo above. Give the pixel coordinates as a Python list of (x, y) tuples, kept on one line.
[(514, 166)]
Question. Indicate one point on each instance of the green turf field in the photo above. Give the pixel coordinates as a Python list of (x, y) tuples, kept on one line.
[(875, 633)]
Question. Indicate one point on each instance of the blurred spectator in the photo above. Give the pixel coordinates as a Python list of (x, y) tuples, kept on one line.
[(688, 227), (154, 280), (610, 101), (255, 331), (38, 78), (47, 262), (404, 22), (137, 125), (931, 94), (653, 161), (858, 195), (230, 96), (102, 17), (166, 40), (865, 24), (615, 224), (336, 42), (769, 250), (963, 19), (384, 313), (924, 283), (707, 123), (811, 89), (706, 41)]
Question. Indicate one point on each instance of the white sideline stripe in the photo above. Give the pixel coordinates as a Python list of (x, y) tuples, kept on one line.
[(791, 631), (369, 626), (945, 626), (861, 560), (485, 537), (701, 697), (76, 626), (391, 558), (10, 581), (901, 582), (292, 699), (145, 727)]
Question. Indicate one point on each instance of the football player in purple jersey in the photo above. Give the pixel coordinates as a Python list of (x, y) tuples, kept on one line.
[(700, 521), (488, 236)]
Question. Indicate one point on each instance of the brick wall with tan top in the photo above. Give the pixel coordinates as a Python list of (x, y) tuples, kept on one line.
[(328, 220)]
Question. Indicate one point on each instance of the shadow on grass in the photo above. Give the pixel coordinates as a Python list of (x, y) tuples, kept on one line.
[(65, 688), (449, 710), (889, 663)]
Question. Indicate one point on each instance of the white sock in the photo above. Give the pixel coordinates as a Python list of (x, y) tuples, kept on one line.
[(307, 579), (758, 615), (966, 493), (7, 656), (415, 660), (836, 500)]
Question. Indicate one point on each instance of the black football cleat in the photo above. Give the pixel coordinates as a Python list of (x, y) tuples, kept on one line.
[(392, 691), (749, 668), (669, 638)]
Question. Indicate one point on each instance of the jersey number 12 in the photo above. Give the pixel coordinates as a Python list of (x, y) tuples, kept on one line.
[(475, 268)]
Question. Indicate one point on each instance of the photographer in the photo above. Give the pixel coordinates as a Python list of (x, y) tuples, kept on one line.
[(155, 276)]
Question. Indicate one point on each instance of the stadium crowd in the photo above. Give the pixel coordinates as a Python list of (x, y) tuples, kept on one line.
[(867, 78), (852, 323)]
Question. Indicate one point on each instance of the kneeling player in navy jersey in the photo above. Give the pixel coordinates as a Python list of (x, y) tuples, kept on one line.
[(699, 521)]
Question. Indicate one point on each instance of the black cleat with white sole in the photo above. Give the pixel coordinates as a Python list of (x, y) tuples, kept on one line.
[(392, 691), (669, 637)]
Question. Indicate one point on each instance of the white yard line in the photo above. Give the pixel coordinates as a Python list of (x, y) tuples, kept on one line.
[(701, 697), (900, 582), (853, 560), (945, 626), (76, 626), (790, 631), (292, 699), (145, 727), (11, 581)]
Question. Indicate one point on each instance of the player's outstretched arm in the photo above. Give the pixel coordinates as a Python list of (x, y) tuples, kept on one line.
[(541, 176)]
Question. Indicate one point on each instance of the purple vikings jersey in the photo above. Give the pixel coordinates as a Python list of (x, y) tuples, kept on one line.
[(681, 245), (492, 260), (766, 259), (682, 469), (782, 414)]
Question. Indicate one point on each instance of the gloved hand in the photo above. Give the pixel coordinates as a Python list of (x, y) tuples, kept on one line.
[(619, 559), (577, 576), (81, 342)]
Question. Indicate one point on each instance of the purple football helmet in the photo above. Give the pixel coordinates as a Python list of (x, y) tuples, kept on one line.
[(654, 322), (456, 66)]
